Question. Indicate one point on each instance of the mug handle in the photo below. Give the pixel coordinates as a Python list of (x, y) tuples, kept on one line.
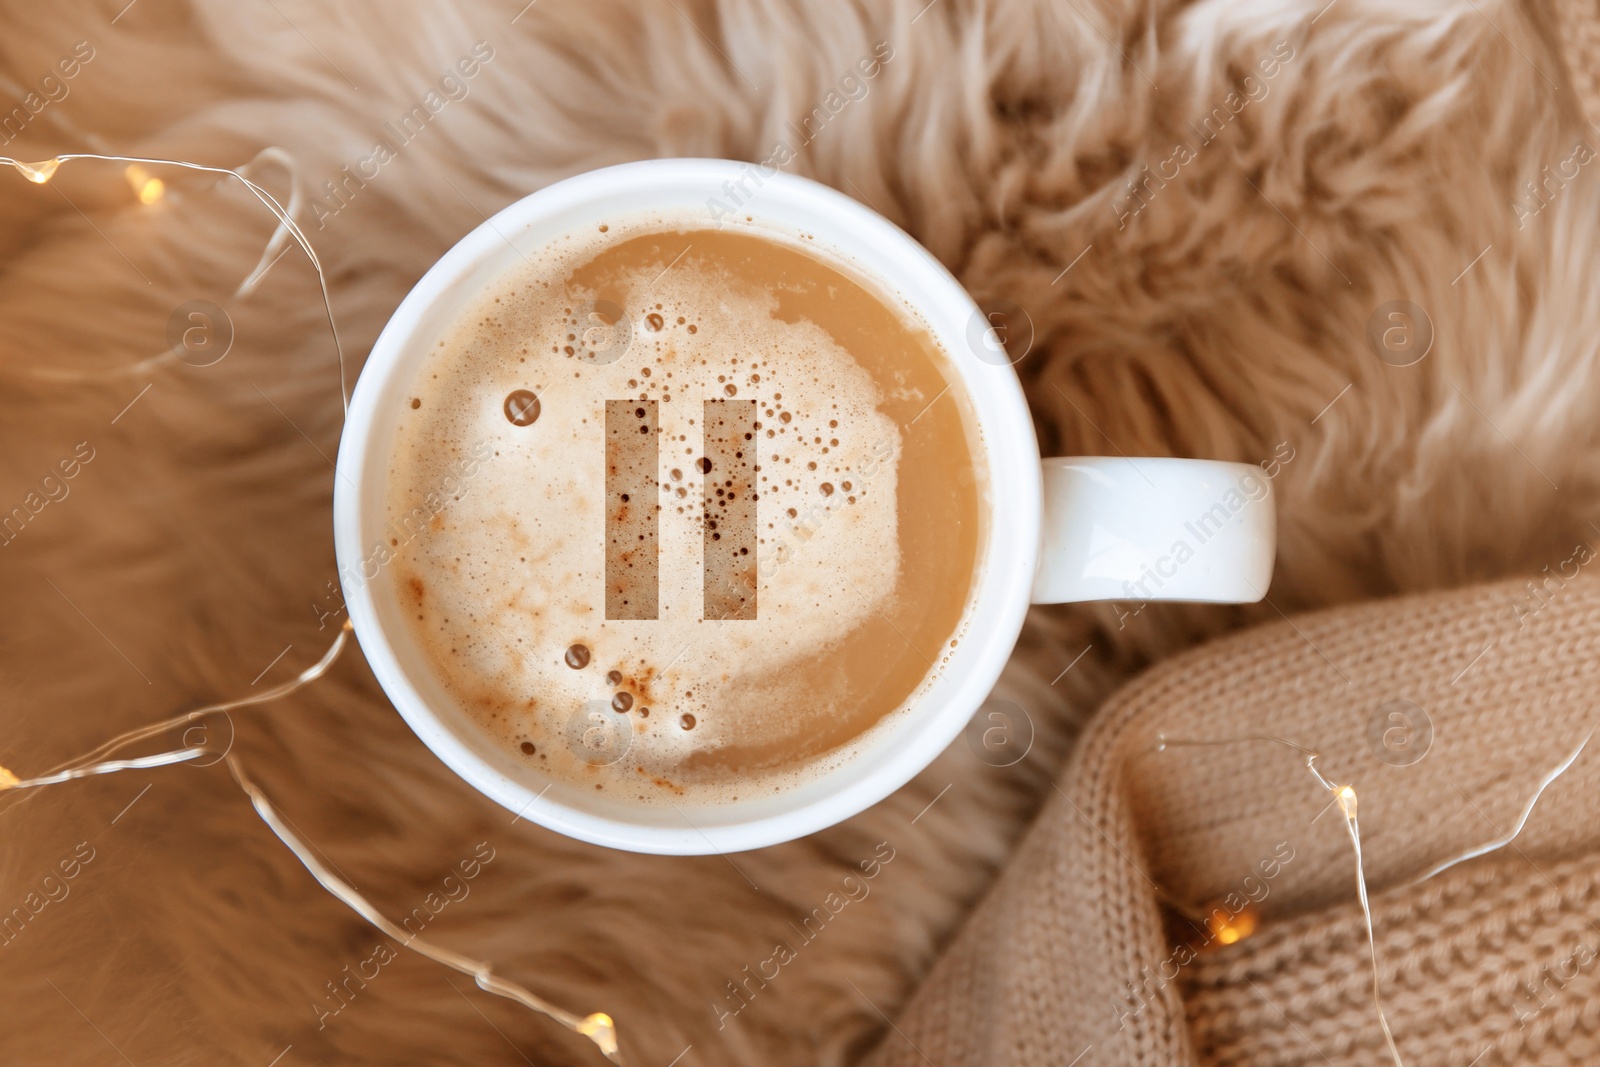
[(1155, 529)]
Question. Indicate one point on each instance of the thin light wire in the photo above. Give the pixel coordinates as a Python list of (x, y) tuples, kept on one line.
[(1345, 796), (1347, 804), (597, 1027), (77, 767), (269, 257), (1522, 820), (9, 781), (41, 172)]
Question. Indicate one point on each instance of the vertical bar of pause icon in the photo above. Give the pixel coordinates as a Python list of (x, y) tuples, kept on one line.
[(728, 471), (633, 509), (729, 427)]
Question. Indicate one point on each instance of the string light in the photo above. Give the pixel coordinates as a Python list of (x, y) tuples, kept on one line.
[(1228, 929), (598, 1027), (1345, 797), (8, 780), (85, 765), (1522, 820), (38, 173), (41, 172), (139, 177)]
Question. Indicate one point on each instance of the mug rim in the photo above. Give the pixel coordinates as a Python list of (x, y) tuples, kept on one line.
[(1011, 459)]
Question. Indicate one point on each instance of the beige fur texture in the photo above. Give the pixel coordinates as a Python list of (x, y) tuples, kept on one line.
[(1213, 307)]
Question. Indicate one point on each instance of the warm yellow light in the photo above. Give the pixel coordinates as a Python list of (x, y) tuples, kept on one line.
[(7, 779), (148, 189), (40, 172), (1229, 929), (602, 1031), (1347, 801)]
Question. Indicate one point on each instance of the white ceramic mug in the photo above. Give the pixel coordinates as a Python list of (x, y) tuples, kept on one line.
[(1102, 528)]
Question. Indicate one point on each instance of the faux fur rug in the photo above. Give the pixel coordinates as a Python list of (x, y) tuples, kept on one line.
[(1201, 215)]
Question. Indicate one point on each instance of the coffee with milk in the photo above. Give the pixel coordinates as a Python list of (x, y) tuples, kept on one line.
[(724, 517)]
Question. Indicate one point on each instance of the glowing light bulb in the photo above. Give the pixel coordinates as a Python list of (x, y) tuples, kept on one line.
[(1346, 797), (7, 779), (147, 188), (602, 1031), (40, 172), (1230, 929)]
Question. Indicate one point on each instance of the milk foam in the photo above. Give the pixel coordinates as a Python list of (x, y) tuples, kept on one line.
[(511, 574)]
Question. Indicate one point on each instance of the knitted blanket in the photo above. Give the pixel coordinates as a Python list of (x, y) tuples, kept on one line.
[(1107, 939)]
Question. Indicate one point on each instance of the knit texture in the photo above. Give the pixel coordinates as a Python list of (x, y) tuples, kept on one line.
[(1095, 941)]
